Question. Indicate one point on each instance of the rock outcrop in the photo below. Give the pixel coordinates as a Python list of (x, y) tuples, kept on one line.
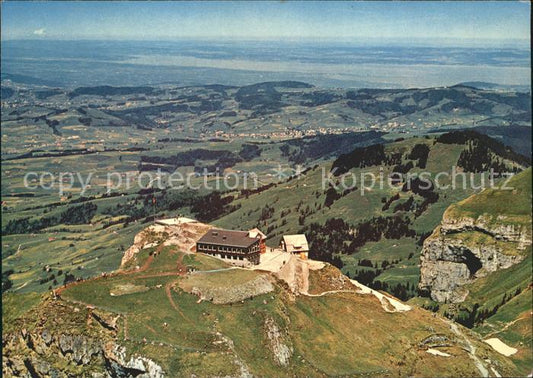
[(118, 365), (42, 355), (182, 234), (278, 342), (71, 346), (78, 348), (232, 294), (463, 249)]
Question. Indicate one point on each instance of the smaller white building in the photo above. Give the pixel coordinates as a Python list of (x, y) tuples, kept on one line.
[(296, 244)]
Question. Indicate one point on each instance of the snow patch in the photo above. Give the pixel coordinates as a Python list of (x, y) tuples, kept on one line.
[(436, 352), (500, 347), (389, 304)]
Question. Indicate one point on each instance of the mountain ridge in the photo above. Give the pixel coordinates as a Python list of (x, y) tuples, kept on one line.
[(100, 333)]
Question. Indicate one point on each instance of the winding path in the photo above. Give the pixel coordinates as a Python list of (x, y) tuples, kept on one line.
[(386, 302), (507, 325), (471, 349), (168, 290), (330, 292)]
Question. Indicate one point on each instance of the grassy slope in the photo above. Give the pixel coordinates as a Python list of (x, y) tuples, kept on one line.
[(353, 208), (84, 253), (15, 305), (512, 324), (324, 342), (515, 203)]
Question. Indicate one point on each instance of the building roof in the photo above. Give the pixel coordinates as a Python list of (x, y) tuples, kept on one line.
[(296, 243), (228, 238), (255, 232)]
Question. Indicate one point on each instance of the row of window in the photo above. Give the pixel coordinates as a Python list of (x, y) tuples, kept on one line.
[(229, 257), (252, 258), (214, 248)]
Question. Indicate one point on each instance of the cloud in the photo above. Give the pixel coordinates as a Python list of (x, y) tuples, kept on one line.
[(40, 31)]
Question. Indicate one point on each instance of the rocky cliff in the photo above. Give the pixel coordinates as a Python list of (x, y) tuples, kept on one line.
[(77, 341), (182, 233), (480, 235)]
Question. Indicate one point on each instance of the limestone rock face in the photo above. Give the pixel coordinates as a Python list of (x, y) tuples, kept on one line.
[(61, 353), (277, 339), (499, 227), (449, 260), (79, 348), (136, 366)]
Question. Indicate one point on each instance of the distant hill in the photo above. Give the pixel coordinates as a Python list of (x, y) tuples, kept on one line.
[(483, 156), (481, 147), (437, 105), (516, 137), (24, 79), (291, 107), (106, 90), (263, 97), (486, 85), (7, 92)]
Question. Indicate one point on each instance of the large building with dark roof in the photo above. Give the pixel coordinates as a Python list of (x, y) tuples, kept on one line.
[(237, 247)]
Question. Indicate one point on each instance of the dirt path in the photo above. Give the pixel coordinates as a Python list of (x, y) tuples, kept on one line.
[(168, 290), (151, 329), (21, 286), (471, 348), (295, 273), (161, 274), (389, 304), (507, 325), (59, 290), (386, 302), (217, 270), (145, 266), (182, 270), (330, 292)]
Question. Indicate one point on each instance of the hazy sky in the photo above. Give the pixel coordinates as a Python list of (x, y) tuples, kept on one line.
[(499, 22)]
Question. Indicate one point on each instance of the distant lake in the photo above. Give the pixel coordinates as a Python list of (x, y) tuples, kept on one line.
[(75, 63)]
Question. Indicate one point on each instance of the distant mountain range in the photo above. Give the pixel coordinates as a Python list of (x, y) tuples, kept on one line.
[(229, 108), (25, 79), (486, 85)]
